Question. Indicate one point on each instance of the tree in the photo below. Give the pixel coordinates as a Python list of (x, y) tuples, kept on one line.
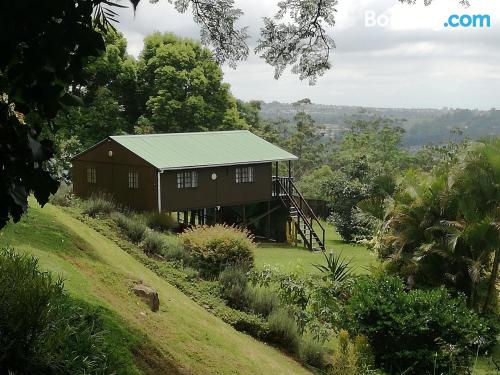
[(365, 161), (308, 143), (41, 56), (444, 228), (181, 87)]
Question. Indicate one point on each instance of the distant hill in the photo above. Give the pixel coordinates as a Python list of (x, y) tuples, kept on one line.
[(423, 126)]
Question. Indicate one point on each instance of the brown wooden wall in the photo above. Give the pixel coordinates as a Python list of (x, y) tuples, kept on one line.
[(224, 191), (112, 176)]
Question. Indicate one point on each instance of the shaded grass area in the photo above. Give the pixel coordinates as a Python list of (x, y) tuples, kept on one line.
[(298, 259), (71, 258), (182, 335)]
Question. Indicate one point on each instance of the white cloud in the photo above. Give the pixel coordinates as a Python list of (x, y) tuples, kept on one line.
[(414, 62)]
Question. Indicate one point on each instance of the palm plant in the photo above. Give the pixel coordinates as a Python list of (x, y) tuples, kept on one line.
[(445, 228), (337, 268)]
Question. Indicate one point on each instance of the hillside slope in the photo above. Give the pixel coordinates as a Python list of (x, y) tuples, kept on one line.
[(97, 270)]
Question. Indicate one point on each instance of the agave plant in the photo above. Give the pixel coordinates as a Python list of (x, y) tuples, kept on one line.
[(337, 268)]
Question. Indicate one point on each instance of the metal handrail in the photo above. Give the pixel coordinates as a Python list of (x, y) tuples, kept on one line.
[(288, 187)]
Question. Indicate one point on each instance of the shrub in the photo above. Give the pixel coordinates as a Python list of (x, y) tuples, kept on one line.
[(43, 331), (160, 221), (175, 252), (416, 329), (213, 248), (234, 285), (262, 300), (283, 330), (153, 243), (98, 204), (63, 197), (352, 357), (312, 352), (133, 229)]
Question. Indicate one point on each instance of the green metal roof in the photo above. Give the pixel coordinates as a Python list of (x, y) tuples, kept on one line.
[(205, 149)]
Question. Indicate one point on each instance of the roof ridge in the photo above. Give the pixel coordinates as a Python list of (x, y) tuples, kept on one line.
[(186, 133)]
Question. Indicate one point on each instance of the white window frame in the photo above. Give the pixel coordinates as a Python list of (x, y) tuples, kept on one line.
[(133, 180), (245, 175), (91, 176), (187, 179)]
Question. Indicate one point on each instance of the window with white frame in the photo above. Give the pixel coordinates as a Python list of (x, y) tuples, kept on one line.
[(187, 179), (244, 174), (91, 175), (133, 180)]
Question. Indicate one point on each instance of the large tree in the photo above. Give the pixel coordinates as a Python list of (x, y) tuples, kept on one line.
[(181, 88)]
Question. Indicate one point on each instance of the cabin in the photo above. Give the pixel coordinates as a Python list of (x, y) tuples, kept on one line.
[(203, 177)]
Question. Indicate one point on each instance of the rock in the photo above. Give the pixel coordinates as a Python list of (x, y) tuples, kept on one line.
[(148, 295)]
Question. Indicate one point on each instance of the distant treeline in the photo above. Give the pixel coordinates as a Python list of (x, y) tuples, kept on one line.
[(422, 126)]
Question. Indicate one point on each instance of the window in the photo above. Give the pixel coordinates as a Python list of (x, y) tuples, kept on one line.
[(187, 179), (91, 175), (133, 180), (244, 174)]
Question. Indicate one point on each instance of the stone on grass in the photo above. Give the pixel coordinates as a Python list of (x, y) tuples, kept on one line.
[(148, 295)]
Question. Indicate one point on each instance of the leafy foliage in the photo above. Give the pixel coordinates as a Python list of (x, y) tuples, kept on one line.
[(64, 196), (133, 228), (38, 63), (98, 205), (213, 248), (424, 330), (352, 357), (303, 43), (234, 285), (43, 330), (160, 221), (283, 330), (181, 87), (443, 228), (153, 243)]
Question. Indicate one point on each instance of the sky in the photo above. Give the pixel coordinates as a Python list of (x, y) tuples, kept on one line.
[(408, 60)]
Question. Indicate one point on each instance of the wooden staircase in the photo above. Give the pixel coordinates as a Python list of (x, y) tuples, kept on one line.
[(306, 222)]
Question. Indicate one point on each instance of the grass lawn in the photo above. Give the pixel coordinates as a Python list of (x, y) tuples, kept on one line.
[(96, 270), (291, 258)]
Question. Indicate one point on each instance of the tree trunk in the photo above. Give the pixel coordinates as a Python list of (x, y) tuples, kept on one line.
[(493, 280)]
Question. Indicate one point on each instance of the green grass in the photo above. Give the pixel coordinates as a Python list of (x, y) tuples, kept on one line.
[(298, 259), (183, 333)]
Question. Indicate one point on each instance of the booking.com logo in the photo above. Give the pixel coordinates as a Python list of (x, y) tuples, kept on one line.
[(372, 19)]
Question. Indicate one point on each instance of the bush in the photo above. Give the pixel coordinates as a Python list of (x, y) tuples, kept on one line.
[(133, 229), (153, 243), (283, 330), (98, 204), (213, 248), (426, 330), (160, 221), (63, 197), (234, 285), (43, 331), (175, 252), (352, 357), (262, 300), (312, 352)]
